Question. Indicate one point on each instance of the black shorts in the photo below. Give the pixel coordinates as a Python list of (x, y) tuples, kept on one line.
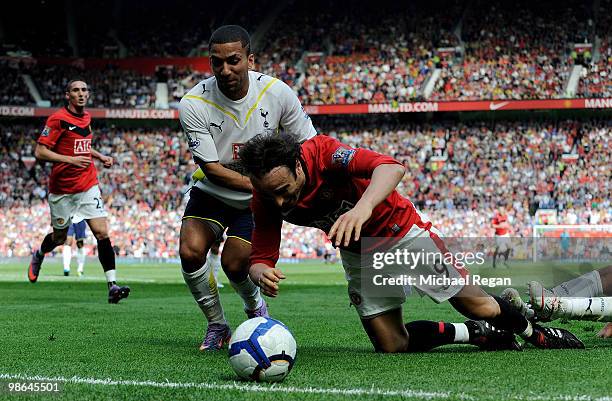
[(219, 216)]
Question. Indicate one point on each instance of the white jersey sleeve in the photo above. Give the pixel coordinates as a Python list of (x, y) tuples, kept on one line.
[(294, 119), (196, 128)]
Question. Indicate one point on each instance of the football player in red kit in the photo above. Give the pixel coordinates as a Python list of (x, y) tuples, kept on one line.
[(502, 235), (73, 185), (350, 193)]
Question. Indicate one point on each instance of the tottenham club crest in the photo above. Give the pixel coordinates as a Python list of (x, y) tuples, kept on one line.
[(264, 114)]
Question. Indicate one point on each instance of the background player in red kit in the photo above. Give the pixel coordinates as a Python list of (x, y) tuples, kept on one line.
[(502, 235), (73, 185), (350, 193)]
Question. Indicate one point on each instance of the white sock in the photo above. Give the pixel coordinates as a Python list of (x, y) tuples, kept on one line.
[(249, 292), (599, 308), (528, 331), (203, 287), (215, 262), (81, 258), (587, 285), (111, 275), (462, 335), (67, 255)]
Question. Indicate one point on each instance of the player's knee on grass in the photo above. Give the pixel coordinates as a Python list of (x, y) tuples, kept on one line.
[(387, 332), (477, 307)]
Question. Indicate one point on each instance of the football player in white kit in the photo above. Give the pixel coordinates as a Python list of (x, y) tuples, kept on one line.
[(218, 116)]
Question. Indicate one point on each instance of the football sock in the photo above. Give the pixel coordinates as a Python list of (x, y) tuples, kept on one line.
[(203, 287), (111, 276), (249, 292), (47, 245), (599, 309), (215, 262), (67, 255), (81, 258), (106, 254), (424, 335), (510, 319), (587, 285), (462, 335)]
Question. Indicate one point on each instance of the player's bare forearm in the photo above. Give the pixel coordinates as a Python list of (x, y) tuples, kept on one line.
[(97, 155), (107, 161), (385, 179), (348, 226), (43, 153), (225, 177)]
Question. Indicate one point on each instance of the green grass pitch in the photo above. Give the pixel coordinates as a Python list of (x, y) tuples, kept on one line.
[(145, 348)]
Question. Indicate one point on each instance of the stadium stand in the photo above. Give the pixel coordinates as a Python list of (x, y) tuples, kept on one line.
[(456, 173)]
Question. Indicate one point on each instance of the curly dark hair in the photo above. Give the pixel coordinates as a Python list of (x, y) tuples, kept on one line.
[(228, 34), (265, 152)]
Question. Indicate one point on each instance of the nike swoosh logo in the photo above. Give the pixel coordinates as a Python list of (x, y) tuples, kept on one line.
[(495, 106), (71, 128)]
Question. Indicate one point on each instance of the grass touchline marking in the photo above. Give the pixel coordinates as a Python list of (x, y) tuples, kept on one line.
[(274, 388), (257, 388)]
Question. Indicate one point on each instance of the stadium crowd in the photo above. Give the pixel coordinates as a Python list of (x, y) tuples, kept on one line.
[(457, 173), (387, 55)]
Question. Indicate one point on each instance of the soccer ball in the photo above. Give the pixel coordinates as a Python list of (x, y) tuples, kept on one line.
[(262, 349)]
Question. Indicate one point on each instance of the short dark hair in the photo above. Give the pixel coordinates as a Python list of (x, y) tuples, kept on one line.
[(265, 152), (73, 80), (229, 34)]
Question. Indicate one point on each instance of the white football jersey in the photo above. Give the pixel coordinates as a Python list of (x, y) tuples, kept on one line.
[(216, 127)]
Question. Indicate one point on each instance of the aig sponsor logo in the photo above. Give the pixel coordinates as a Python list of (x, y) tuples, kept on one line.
[(236, 150), (82, 146)]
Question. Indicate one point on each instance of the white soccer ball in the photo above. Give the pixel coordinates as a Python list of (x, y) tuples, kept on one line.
[(262, 349)]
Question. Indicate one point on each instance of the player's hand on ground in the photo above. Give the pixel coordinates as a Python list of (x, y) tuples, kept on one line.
[(107, 161), (267, 278), (349, 223), (80, 161)]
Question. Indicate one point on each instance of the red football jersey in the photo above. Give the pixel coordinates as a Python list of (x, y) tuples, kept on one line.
[(69, 134), (499, 219), (336, 178)]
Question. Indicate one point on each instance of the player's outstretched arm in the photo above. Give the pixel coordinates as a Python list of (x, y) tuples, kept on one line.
[(267, 278), (106, 160), (42, 152), (385, 179)]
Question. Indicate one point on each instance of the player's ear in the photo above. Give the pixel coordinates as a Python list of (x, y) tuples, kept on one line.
[(298, 167), (251, 60)]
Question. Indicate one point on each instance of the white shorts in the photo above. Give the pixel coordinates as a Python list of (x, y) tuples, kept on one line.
[(370, 304), (503, 242), (69, 208)]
